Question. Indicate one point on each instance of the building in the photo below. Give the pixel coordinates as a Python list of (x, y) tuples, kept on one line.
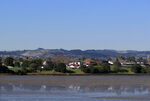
[(90, 62), (74, 65)]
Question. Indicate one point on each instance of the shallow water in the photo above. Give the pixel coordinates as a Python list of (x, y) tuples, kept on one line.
[(74, 88)]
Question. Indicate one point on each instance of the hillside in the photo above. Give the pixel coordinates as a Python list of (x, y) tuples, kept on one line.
[(49, 53)]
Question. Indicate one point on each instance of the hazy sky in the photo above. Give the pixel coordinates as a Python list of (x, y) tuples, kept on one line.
[(75, 24)]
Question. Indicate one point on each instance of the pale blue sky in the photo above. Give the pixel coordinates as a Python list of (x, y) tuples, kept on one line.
[(75, 24)]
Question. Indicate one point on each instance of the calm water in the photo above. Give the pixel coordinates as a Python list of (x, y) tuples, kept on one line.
[(74, 88)]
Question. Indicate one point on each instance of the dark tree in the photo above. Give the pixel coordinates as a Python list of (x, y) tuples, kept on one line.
[(33, 66), (136, 68), (9, 61), (85, 69), (117, 66), (17, 64), (106, 68), (82, 67), (129, 59), (61, 67), (94, 70), (21, 60), (25, 63), (49, 65), (37, 61)]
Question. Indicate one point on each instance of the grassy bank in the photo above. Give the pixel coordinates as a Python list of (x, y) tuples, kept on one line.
[(124, 71)]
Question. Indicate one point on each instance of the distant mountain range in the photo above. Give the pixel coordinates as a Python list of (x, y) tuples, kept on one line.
[(49, 53)]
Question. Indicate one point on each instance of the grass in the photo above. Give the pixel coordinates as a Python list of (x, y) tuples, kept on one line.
[(127, 69), (15, 69), (44, 73), (124, 70), (75, 71), (69, 70)]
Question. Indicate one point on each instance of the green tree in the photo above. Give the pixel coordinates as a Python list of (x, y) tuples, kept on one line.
[(34, 66), (49, 65), (82, 67), (9, 61), (136, 68), (116, 66), (94, 70), (129, 59), (106, 68), (61, 67), (25, 63), (121, 57), (17, 64), (37, 61), (85, 69), (21, 60)]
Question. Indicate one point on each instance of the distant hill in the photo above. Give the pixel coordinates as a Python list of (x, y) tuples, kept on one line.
[(49, 53)]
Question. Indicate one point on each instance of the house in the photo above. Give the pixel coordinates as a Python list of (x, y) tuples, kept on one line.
[(74, 65), (111, 62), (44, 63), (90, 62)]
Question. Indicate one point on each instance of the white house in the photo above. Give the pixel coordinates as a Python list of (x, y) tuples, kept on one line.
[(74, 65), (110, 62), (44, 63)]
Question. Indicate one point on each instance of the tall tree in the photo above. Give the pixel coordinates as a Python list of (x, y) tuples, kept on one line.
[(117, 66), (61, 67), (25, 63), (9, 61), (17, 64), (49, 65), (136, 68), (106, 68)]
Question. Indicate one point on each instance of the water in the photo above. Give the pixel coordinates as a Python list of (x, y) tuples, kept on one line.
[(74, 88)]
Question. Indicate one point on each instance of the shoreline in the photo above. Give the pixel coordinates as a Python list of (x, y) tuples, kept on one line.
[(69, 74)]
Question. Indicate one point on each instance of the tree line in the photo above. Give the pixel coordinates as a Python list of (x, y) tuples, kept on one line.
[(29, 65)]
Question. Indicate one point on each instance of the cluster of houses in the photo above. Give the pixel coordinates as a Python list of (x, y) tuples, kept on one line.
[(88, 62), (143, 62)]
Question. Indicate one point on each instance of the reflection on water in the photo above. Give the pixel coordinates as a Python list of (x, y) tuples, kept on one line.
[(74, 88)]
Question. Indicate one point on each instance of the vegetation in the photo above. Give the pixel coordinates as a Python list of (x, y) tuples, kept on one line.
[(116, 67), (9, 61), (58, 64), (136, 68), (49, 66), (60, 67)]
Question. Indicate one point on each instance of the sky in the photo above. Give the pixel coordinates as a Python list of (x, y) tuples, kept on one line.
[(75, 24)]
